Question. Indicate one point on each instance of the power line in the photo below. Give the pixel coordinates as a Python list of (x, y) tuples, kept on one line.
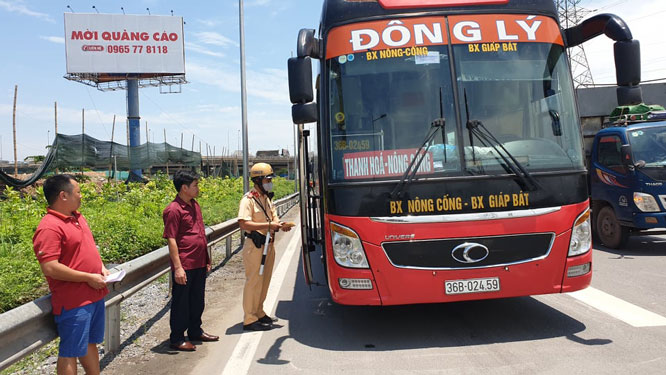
[(178, 123), (647, 15), (97, 111), (610, 5), (646, 81)]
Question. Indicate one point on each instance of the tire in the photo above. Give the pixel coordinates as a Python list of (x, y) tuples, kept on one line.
[(610, 232)]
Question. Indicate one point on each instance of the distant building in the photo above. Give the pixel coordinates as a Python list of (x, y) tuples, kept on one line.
[(268, 154), (273, 153)]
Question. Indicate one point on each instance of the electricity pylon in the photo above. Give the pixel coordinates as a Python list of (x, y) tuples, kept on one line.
[(571, 14)]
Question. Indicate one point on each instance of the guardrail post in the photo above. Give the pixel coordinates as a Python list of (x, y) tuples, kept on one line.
[(228, 247), (112, 331)]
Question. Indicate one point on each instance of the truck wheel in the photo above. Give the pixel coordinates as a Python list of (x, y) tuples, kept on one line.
[(609, 230)]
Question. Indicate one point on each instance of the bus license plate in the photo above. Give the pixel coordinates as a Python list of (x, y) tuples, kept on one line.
[(491, 284)]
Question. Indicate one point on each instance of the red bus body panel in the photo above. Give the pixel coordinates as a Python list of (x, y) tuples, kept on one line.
[(396, 286)]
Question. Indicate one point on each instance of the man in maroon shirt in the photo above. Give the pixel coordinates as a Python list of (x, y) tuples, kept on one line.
[(188, 250), (68, 257)]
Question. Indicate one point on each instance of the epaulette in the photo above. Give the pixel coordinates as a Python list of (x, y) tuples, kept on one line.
[(252, 194)]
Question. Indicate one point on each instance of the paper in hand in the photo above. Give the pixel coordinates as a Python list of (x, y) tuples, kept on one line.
[(115, 277)]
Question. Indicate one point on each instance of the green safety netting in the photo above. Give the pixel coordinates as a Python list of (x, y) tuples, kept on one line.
[(83, 151)]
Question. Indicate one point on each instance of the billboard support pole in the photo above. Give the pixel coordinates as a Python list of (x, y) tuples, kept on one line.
[(134, 126)]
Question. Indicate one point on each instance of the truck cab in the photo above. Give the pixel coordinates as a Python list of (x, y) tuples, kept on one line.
[(627, 173)]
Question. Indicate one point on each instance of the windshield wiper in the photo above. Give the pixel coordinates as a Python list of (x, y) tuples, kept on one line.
[(476, 128), (418, 157)]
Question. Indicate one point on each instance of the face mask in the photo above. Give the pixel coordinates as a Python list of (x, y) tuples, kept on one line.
[(268, 187)]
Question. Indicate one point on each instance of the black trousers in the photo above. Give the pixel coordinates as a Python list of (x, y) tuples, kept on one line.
[(187, 305)]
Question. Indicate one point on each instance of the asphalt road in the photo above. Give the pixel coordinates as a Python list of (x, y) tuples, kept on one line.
[(616, 327)]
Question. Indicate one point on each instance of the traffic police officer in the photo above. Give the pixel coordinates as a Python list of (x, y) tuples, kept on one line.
[(256, 216)]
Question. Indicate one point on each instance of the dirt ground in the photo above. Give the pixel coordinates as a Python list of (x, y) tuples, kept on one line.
[(145, 337), (150, 340)]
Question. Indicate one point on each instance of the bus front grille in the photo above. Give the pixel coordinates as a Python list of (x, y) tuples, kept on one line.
[(471, 252)]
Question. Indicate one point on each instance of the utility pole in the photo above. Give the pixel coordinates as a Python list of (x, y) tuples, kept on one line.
[(83, 139), (129, 149), (111, 159), (55, 109), (14, 124), (166, 152), (148, 146), (241, 26)]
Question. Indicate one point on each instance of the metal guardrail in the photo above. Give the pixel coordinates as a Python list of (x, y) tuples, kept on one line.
[(30, 326)]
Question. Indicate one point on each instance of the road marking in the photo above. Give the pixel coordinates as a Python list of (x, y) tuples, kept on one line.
[(620, 309), (241, 358)]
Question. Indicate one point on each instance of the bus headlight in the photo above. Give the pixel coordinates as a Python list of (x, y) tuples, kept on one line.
[(581, 235), (646, 202), (347, 247)]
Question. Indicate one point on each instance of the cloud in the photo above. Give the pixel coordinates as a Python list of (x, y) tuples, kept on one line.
[(19, 7), (268, 84), (254, 3), (53, 39), (199, 49), (215, 39), (643, 19), (208, 23)]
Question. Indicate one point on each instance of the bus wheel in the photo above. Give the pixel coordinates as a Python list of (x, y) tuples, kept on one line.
[(609, 230)]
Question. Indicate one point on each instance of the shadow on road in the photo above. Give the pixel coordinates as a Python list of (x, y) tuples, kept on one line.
[(316, 321), (637, 246)]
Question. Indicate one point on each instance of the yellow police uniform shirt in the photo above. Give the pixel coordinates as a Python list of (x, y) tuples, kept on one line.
[(249, 210)]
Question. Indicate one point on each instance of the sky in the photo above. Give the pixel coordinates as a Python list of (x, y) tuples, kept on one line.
[(209, 106)]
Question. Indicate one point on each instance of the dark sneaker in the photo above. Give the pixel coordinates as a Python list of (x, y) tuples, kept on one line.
[(257, 326), (268, 320)]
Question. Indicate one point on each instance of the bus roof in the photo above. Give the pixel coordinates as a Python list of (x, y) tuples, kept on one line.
[(337, 12)]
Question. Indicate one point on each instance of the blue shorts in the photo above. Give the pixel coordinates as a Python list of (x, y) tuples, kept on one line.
[(79, 327)]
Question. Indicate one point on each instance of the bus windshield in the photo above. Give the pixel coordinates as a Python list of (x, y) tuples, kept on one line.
[(382, 104), (382, 110)]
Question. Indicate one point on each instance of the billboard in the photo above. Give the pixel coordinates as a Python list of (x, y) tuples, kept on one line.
[(118, 43)]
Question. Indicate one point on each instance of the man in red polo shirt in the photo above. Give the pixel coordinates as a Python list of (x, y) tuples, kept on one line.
[(68, 256), (188, 250)]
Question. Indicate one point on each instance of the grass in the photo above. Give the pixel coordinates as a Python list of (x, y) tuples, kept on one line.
[(126, 221)]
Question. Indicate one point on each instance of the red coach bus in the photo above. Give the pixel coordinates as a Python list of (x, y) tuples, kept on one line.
[(449, 160)]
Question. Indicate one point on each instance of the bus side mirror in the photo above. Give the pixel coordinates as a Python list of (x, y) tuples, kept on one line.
[(628, 72), (300, 79), (303, 110), (307, 44), (627, 62), (304, 113)]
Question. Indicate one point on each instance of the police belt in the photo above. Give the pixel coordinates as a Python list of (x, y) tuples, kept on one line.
[(257, 238)]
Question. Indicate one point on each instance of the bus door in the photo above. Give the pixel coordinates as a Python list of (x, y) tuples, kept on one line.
[(309, 202)]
